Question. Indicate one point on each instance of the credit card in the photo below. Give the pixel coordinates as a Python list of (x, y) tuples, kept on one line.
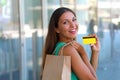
[(89, 40)]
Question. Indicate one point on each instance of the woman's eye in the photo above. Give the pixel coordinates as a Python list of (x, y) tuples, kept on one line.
[(65, 22), (74, 19)]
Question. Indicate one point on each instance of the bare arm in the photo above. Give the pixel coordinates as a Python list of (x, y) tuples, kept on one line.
[(95, 53), (84, 56), (94, 60), (94, 56), (78, 65)]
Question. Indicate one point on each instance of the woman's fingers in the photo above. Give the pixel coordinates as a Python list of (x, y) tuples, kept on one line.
[(95, 47), (75, 45)]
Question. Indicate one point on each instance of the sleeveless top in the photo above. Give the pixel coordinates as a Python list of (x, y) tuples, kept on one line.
[(59, 45)]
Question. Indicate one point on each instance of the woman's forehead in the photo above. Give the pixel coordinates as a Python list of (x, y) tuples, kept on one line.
[(67, 15)]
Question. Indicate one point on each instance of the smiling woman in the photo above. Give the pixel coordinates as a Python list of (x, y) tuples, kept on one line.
[(62, 29), (67, 26)]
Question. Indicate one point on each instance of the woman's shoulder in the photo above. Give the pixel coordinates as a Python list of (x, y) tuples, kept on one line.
[(69, 50)]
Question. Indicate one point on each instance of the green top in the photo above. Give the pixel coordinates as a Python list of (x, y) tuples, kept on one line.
[(58, 46)]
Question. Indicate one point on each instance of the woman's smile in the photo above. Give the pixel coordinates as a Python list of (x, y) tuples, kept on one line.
[(73, 31)]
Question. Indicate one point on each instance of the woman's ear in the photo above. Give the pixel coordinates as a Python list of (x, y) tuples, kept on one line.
[(57, 30)]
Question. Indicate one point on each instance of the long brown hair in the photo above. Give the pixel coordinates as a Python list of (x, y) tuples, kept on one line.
[(52, 37)]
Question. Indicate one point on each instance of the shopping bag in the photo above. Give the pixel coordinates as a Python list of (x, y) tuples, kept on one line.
[(57, 68)]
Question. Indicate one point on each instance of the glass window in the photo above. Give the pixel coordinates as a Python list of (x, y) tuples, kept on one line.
[(108, 29), (69, 3), (33, 29), (52, 5), (9, 40), (33, 13), (82, 1)]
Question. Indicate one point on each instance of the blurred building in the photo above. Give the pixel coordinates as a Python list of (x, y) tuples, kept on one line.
[(24, 24)]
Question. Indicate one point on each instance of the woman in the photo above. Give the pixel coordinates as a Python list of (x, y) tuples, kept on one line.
[(63, 28)]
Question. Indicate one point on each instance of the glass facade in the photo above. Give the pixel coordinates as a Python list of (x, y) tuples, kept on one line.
[(9, 40), (23, 27)]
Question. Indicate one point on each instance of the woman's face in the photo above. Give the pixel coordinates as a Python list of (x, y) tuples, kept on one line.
[(67, 27)]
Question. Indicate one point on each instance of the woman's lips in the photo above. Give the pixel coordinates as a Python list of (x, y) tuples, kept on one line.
[(73, 31)]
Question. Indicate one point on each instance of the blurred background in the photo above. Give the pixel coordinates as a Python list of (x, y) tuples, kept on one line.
[(23, 28)]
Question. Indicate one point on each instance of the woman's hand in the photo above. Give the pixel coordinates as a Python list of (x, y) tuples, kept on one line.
[(95, 47), (84, 56), (78, 47), (95, 52)]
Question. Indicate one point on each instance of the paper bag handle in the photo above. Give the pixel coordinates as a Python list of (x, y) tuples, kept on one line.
[(61, 50)]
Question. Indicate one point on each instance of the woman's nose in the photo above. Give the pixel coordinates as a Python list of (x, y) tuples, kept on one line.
[(73, 25)]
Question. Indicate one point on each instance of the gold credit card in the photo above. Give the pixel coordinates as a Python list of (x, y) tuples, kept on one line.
[(89, 40)]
